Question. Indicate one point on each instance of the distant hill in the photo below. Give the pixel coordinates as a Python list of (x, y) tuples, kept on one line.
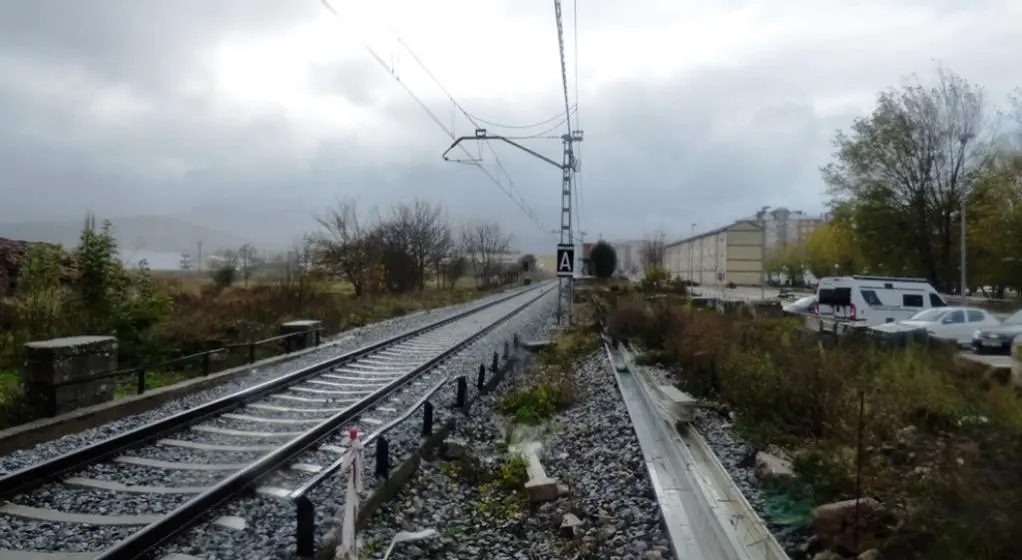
[(151, 233)]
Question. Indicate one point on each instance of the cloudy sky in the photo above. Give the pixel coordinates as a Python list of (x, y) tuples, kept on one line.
[(251, 114)]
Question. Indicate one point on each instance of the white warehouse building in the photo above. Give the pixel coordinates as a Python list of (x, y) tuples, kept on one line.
[(733, 253)]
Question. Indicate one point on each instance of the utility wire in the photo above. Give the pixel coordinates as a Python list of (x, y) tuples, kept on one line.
[(450, 133), (475, 123), (520, 127)]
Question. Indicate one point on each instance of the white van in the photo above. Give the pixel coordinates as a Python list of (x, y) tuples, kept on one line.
[(874, 300)]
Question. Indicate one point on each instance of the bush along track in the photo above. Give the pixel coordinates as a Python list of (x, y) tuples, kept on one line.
[(485, 496), (847, 449)]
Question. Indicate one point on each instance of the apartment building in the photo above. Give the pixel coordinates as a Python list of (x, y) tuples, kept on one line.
[(784, 227)]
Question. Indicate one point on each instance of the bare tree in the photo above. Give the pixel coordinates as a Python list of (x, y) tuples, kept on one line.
[(423, 225), (444, 251), (483, 242), (344, 246), (247, 257), (297, 274), (653, 249)]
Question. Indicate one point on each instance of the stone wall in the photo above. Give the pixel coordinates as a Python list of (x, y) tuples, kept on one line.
[(51, 362)]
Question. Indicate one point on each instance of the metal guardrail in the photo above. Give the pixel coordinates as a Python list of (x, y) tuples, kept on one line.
[(706, 514), (207, 357), (305, 510), (139, 544)]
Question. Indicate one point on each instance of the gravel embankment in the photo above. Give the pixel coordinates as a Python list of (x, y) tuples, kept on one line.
[(271, 522), (593, 450), (343, 342)]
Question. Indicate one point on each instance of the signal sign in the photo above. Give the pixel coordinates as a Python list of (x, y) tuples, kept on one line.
[(565, 260)]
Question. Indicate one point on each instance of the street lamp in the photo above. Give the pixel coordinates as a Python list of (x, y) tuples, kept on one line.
[(963, 139), (692, 256)]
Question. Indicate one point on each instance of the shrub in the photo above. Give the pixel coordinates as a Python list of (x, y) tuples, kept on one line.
[(603, 259), (941, 446)]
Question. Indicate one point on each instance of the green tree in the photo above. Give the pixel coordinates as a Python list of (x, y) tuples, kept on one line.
[(99, 280), (38, 299), (603, 259), (527, 262), (902, 172), (995, 225)]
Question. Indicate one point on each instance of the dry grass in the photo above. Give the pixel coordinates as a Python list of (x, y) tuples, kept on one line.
[(942, 446)]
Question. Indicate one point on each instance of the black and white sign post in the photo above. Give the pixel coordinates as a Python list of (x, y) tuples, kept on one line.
[(565, 260)]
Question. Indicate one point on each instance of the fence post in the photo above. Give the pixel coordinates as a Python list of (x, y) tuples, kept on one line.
[(482, 377), (427, 419), (382, 457), (205, 363), (141, 381), (319, 336), (459, 400), (251, 352), (306, 530), (517, 341), (507, 349), (496, 362)]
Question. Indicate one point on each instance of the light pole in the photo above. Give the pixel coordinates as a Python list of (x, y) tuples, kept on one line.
[(692, 256), (963, 139)]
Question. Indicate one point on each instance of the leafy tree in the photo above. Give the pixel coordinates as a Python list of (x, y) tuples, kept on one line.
[(603, 259), (995, 225), (834, 248), (527, 262), (902, 173)]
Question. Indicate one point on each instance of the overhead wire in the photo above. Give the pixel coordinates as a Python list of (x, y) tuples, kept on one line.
[(524, 126), (520, 201), (471, 119)]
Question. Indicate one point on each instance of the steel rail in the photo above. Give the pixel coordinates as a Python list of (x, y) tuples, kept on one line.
[(31, 477), (139, 544)]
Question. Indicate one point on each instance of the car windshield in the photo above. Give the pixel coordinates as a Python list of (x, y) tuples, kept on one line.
[(1015, 319), (928, 315)]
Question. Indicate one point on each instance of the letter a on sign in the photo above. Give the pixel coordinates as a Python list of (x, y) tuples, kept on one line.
[(565, 260)]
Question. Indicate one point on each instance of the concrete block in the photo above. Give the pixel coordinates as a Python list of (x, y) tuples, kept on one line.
[(300, 341), (571, 525), (539, 487), (681, 405), (50, 363)]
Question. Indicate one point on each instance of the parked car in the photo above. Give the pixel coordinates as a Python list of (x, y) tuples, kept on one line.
[(998, 338), (801, 306), (953, 323)]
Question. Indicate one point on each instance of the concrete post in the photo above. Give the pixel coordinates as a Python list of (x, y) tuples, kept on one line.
[(48, 363)]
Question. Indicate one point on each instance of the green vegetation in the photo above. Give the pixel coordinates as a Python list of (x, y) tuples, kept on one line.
[(941, 445), (603, 259), (552, 386), (414, 260), (897, 185)]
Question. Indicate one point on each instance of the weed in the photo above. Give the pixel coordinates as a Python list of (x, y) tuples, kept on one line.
[(947, 476)]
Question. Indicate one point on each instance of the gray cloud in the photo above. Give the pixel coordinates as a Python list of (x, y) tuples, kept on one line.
[(705, 145)]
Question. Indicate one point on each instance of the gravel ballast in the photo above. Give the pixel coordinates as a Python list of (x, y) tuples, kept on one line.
[(270, 531), (593, 450), (344, 342)]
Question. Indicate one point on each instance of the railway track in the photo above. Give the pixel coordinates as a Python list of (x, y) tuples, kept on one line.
[(123, 497)]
